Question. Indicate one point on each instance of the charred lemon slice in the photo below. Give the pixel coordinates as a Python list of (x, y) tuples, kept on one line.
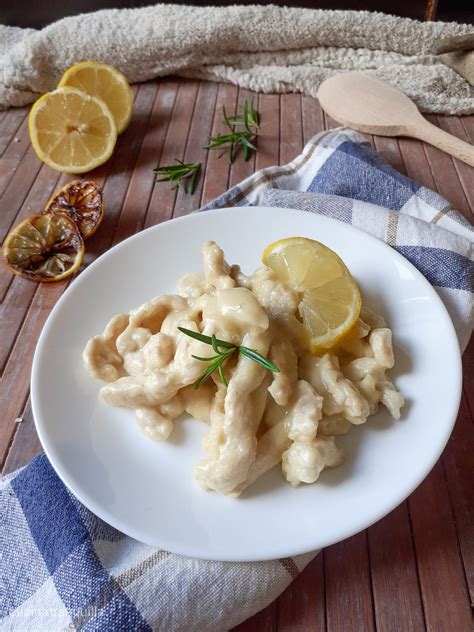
[(44, 248), (330, 298), (82, 201)]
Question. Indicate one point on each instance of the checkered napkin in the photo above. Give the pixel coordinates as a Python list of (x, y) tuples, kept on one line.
[(63, 568)]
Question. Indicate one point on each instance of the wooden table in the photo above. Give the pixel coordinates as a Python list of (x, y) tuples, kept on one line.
[(413, 570)]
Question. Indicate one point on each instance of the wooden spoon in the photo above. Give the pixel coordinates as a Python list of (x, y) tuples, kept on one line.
[(370, 105)]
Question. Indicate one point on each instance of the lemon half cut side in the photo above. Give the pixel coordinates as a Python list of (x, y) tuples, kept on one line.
[(105, 82), (72, 131)]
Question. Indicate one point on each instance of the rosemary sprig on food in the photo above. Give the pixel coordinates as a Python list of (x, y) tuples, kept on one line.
[(223, 351), (248, 119), (178, 173)]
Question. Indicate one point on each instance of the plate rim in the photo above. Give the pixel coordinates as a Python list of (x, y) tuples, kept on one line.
[(289, 551)]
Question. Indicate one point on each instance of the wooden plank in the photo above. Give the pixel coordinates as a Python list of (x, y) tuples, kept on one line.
[(17, 190), (13, 155), (198, 136), (10, 125), (440, 569), (445, 176), (25, 445), (465, 173), (241, 169), (216, 177), (468, 124), (302, 606), (263, 621), (12, 313), (269, 131), (349, 604), (142, 182), (415, 162), (291, 127), (468, 371), (389, 149), (457, 462), (329, 122), (163, 197), (313, 118), (396, 591), (16, 379)]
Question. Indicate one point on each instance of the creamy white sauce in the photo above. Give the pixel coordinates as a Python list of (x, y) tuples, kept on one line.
[(261, 418)]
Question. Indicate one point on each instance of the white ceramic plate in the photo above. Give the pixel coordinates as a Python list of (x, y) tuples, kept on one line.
[(146, 489)]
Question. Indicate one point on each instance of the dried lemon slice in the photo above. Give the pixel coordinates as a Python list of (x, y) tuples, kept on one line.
[(44, 248), (330, 298), (105, 82), (72, 131), (82, 201)]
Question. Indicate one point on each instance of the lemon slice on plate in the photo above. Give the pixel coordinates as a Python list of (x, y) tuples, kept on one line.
[(44, 248), (72, 131), (105, 82), (330, 298)]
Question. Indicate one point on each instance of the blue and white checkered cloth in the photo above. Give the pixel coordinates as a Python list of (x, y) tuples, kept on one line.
[(63, 568)]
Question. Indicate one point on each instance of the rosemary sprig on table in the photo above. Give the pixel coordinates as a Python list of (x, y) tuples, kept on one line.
[(178, 173), (216, 362), (248, 119)]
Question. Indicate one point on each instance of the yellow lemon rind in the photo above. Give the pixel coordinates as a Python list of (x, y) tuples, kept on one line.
[(75, 170), (70, 72)]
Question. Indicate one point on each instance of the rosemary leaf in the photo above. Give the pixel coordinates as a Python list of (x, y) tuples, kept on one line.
[(214, 343), (178, 173), (247, 118), (206, 339), (216, 362), (256, 357), (222, 376), (205, 376), (204, 359)]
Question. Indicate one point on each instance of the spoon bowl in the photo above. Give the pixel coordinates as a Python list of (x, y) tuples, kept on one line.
[(370, 105)]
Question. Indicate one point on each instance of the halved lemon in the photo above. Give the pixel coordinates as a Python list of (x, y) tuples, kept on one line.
[(107, 83), (330, 298), (72, 131), (44, 248), (82, 201)]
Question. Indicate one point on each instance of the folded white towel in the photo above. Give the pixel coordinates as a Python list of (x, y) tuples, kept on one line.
[(264, 48)]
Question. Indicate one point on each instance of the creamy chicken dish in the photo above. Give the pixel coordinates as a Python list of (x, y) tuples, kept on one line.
[(260, 418)]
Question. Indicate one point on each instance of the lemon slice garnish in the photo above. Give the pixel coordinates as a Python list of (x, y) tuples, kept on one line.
[(330, 298)]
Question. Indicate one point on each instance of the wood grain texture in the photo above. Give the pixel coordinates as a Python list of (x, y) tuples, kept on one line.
[(302, 606), (395, 583), (349, 597), (438, 556), (412, 571)]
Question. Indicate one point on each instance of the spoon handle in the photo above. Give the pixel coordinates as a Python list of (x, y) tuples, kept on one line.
[(424, 130)]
